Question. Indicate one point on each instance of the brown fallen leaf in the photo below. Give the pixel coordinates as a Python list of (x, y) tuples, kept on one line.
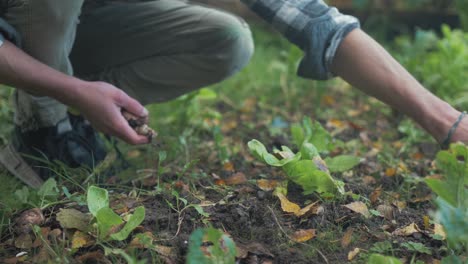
[(346, 239), (236, 179), (369, 180), (376, 194), (320, 163), (286, 205), (24, 241), (390, 172), (359, 207), (42, 238), (353, 253), (407, 230), (228, 166), (267, 185), (290, 207), (28, 219), (93, 257), (439, 230), (81, 240), (256, 248), (311, 209), (386, 211), (303, 235)]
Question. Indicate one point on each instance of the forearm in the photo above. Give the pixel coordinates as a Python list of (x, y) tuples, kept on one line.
[(366, 65), (19, 70)]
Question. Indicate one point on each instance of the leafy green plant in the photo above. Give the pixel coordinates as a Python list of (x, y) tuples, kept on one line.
[(379, 259), (306, 167), (452, 200), (108, 222), (219, 249)]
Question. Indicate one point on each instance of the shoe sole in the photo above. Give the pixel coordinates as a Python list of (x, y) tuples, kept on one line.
[(17, 166)]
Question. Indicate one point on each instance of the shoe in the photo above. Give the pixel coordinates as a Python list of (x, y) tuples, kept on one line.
[(72, 142)]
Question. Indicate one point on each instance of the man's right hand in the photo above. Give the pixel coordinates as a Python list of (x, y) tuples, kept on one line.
[(102, 103)]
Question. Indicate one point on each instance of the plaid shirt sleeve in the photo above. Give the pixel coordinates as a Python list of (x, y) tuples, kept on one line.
[(310, 24)]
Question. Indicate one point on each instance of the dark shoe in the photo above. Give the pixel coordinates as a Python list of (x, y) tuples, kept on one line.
[(73, 142)]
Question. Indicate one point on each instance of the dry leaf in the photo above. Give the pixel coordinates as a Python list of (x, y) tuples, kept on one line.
[(336, 123), (390, 172), (80, 240), (359, 207), (236, 179), (400, 205), (93, 257), (254, 248), (27, 219), (369, 180), (228, 166), (267, 185), (353, 253), (375, 195), (439, 230), (303, 235), (328, 100), (386, 211), (288, 206), (422, 199), (418, 156), (24, 241), (407, 230), (346, 240), (310, 209)]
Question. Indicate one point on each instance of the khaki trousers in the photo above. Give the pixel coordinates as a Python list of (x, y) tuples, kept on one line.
[(153, 50)]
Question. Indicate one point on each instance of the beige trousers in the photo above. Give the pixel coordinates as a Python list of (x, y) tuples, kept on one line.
[(153, 50)]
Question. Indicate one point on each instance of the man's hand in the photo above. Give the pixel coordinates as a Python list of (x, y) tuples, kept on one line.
[(102, 103)]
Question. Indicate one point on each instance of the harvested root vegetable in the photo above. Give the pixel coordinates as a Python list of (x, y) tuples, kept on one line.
[(139, 124), (28, 219)]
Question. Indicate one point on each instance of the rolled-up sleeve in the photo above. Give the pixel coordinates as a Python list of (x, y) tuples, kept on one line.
[(7, 32), (313, 26)]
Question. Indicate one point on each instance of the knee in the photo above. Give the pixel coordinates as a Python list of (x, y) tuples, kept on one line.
[(59, 16), (233, 45)]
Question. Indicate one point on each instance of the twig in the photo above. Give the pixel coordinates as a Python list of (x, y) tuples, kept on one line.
[(277, 222)]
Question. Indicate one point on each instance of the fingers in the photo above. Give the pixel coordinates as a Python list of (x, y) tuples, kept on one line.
[(126, 133), (131, 105)]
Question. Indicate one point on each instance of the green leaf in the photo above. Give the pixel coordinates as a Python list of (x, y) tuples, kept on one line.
[(379, 259), (49, 191), (455, 223), (297, 134), (342, 163), (222, 249), (443, 190), (195, 254), (97, 199), (308, 151), (310, 178), (72, 218), (417, 247), (200, 210), (260, 152), (108, 222), (320, 138), (135, 220)]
